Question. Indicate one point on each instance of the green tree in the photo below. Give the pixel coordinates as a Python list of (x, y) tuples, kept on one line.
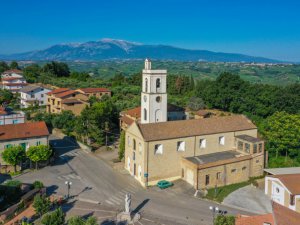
[(14, 65), (94, 120), (282, 133), (64, 121), (122, 145), (14, 155), (5, 96), (57, 69), (77, 220), (56, 217), (32, 73), (38, 184), (196, 103), (41, 204), (38, 153), (3, 66), (224, 220)]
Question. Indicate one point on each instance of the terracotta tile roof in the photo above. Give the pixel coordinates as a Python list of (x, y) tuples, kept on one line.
[(126, 120), (15, 84), (94, 90), (255, 220), (188, 128), (59, 90), (12, 78), (135, 112), (65, 94), (290, 181), (13, 71), (3, 111), (284, 215), (23, 130)]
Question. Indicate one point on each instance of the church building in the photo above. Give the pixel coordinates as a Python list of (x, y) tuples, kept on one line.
[(205, 152)]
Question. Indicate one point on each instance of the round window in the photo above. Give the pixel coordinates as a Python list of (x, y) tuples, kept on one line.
[(158, 99), (277, 190)]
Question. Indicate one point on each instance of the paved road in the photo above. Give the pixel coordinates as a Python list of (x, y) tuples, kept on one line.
[(95, 181)]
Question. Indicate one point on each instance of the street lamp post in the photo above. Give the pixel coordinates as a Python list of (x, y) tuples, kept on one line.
[(214, 210), (68, 183)]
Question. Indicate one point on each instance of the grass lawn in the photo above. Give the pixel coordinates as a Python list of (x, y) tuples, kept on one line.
[(223, 192)]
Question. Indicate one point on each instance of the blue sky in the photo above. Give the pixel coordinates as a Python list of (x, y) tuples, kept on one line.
[(269, 28)]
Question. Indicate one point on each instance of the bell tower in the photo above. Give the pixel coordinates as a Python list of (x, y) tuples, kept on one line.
[(154, 95)]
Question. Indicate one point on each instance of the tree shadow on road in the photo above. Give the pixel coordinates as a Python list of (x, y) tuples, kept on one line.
[(4, 177), (52, 189)]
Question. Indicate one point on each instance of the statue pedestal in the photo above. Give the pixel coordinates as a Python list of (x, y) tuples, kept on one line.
[(128, 218)]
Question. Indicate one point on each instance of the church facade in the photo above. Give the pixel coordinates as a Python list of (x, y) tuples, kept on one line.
[(204, 152)]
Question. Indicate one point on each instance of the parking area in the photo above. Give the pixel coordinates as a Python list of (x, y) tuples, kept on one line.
[(251, 199)]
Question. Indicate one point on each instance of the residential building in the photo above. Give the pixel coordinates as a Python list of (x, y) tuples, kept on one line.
[(13, 84), (64, 99), (12, 73), (204, 152), (24, 134), (96, 92), (128, 117), (8, 116), (33, 95), (284, 189)]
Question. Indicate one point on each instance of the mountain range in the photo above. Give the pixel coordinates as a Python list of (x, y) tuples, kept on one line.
[(110, 49)]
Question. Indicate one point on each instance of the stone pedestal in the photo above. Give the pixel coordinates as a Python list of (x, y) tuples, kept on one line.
[(127, 218)]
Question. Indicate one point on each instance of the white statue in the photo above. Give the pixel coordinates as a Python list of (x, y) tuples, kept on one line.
[(127, 203)]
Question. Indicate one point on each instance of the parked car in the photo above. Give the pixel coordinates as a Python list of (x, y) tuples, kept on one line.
[(164, 184)]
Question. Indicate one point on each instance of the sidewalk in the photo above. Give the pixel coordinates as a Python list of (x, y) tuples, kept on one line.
[(29, 212)]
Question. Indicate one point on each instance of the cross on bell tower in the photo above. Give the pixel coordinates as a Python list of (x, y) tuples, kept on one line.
[(154, 95)]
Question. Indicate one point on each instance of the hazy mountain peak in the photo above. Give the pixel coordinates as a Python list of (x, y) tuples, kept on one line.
[(108, 48)]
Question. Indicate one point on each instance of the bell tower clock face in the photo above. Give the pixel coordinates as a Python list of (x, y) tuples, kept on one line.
[(145, 98)]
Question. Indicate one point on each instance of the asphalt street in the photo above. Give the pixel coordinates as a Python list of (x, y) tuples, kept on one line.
[(94, 181)]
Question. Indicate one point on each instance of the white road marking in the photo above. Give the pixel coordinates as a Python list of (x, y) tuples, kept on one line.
[(109, 202)]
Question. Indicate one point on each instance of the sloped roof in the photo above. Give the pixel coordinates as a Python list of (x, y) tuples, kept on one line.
[(11, 78), (94, 90), (29, 88), (58, 90), (65, 94), (284, 215), (127, 120), (248, 138), (290, 181), (23, 130), (255, 220), (13, 71), (188, 128)]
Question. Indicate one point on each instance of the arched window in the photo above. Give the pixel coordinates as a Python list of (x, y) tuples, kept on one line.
[(145, 114), (146, 85), (157, 83), (134, 144)]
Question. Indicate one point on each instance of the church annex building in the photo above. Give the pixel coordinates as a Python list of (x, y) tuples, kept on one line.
[(204, 152)]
